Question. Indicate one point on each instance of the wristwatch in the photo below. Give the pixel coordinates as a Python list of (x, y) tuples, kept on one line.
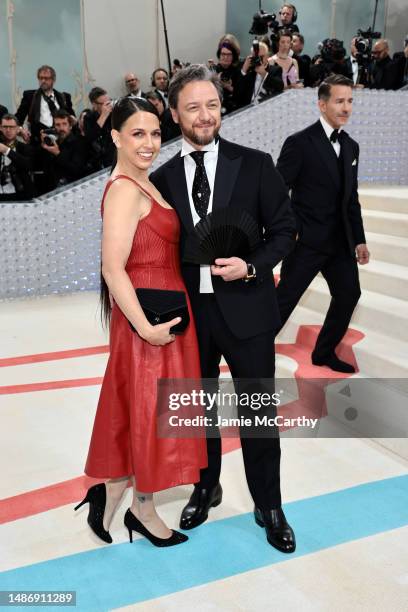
[(251, 272)]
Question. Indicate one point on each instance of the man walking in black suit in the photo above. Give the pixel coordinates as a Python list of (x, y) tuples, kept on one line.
[(320, 166), (40, 105), (234, 302)]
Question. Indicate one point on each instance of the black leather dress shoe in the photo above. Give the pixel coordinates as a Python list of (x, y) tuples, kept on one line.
[(200, 502), (334, 363), (278, 531)]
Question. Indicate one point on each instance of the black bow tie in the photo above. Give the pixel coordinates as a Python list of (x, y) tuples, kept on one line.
[(334, 137)]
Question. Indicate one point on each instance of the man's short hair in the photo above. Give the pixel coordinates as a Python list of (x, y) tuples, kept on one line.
[(195, 72), (46, 68), (62, 114), (300, 37), (325, 86), (9, 117), (95, 93)]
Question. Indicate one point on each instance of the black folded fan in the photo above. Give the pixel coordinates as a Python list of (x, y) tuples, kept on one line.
[(162, 305), (222, 233)]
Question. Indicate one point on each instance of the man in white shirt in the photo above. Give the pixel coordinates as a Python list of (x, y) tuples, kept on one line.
[(39, 106), (233, 301)]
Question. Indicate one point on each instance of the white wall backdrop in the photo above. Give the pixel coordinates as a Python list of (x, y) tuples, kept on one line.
[(127, 35)]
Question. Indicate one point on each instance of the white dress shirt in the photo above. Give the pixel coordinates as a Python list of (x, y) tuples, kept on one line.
[(329, 130), (354, 67), (45, 114), (210, 163)]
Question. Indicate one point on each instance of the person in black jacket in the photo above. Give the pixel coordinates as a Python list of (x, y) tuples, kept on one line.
[(384, 73), (16, 161), (303, 60), (233, 302), (169, 129), (39, 106), (97, 129), (229, 70), (259, 80), (64, 159), (320, 166)]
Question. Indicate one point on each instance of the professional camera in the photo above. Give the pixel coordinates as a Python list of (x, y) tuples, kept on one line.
[(332, 50), (255, 60), (50, 137), (261, 22), (364, 45)]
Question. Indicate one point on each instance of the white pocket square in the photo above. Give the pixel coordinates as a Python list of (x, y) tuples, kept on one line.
[(354, 163)]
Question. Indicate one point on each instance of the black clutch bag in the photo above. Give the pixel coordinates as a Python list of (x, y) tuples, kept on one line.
[(162, 305)]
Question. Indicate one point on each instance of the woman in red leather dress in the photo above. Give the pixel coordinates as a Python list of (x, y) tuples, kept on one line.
[(139, 249)]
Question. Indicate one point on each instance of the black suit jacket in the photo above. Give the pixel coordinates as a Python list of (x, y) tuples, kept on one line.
[(30, 106), (244, 89), (384, 74), (245, 179), (22, 163), (309, 167), (3, 111)]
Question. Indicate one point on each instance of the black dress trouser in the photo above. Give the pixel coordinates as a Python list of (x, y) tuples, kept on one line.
[(252, 358), (340, 271)]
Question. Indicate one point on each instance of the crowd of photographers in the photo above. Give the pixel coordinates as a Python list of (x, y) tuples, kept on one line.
[(44, 145)]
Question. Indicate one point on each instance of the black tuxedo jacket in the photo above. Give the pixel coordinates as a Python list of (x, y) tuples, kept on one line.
[(30, 106), (310, 168), (273, 85), (245, 179), (384, 74)]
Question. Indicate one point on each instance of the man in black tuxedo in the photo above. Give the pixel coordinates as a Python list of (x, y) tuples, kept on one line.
[(233, 301), (40, 105), (320, 166)]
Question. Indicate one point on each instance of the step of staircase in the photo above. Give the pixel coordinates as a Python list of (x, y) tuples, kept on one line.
[(390, 199), (384, 222), (376, 312), (376, 355), (391, 249), (386, 278)]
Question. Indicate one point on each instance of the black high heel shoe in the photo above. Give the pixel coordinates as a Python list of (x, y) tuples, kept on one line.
[(133, 524), (96, 498)]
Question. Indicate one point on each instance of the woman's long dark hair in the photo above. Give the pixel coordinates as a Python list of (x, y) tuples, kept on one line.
[(122, 110)]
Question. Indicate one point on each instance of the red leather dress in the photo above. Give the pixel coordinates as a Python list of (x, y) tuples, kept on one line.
[(124, 440)]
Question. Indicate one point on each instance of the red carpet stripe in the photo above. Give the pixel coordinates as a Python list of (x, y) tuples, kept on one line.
[(38, 358), (52, 384)]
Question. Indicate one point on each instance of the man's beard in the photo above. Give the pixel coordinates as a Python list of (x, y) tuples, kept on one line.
[(200, 141)]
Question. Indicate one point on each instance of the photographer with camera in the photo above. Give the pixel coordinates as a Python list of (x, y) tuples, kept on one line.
[(229, 70), (259, 80), (383, 72), (331, 60), (16, 161), (97, 129), (64, 152)]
